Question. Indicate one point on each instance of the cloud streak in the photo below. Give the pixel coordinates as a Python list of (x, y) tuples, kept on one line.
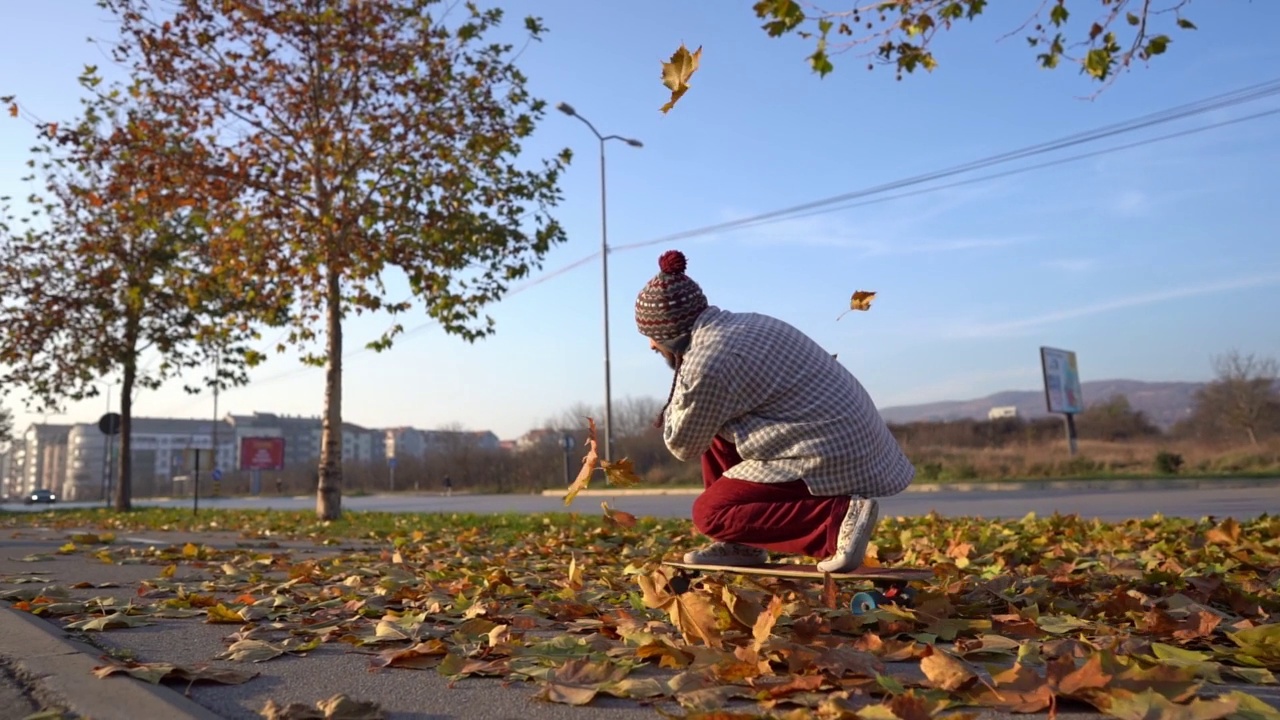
[(1013, 327)]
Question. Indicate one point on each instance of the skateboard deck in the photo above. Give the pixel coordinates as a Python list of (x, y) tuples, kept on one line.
[(896, 580), (811, 572)]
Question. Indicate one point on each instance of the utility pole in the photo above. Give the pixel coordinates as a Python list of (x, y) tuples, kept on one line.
[(567, 109)]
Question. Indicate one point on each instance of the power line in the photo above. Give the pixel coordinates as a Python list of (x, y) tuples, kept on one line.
[(1218, 102), (867, 196)]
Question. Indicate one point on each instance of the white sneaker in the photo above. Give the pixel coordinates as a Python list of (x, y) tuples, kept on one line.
[(727, 553), (855, 532)]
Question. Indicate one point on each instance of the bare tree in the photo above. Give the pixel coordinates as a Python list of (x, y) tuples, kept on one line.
[(1243, 397), (634, 416)]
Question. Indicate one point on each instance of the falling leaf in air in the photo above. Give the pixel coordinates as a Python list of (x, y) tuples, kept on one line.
[(677, 71), (619, 473), (861, 300)]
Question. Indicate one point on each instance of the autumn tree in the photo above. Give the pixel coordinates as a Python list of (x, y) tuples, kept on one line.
[(1101, 37), (1243, 397), (6, 429), (361, 138), (1114, 420), (111, 263)]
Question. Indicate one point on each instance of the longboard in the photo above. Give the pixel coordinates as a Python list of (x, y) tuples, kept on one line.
[(811, 572), (895, 580)]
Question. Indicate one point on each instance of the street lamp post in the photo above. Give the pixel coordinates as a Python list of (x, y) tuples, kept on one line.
[(567, 109)]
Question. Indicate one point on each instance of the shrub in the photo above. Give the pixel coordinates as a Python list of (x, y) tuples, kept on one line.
[(1168, 463)]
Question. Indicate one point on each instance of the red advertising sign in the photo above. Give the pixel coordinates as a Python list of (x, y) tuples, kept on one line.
[(262, 453)]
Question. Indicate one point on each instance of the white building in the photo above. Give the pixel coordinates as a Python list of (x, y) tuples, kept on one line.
[(1006, 411), (38, 459), (162, 449)]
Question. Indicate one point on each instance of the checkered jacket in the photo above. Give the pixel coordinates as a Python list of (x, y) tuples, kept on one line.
[(790, 408)]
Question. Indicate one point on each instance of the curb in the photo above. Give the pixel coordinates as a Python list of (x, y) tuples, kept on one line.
[(62, 669), (1003, 486)]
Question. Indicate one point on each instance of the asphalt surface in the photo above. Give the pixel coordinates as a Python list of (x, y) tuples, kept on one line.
[(1117, 500), (63, 674)]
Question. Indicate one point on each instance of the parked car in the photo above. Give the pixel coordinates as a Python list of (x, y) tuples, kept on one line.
[(41, 495)]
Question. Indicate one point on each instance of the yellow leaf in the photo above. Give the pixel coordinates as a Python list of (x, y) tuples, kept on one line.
[(677, 71), (222, 614), (861, 300), (621, 473), (13, 109), (190, 550), (168, 571)]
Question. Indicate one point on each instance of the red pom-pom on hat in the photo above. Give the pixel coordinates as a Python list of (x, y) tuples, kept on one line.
[(672, 262)]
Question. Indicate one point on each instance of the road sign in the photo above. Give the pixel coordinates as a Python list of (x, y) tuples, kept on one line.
[(109, 424), (568, 443), (216, 474), (391, 461)]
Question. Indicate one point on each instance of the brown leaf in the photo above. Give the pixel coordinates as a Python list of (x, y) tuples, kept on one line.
[(945, 671), (589, 463), (1082, 683), (422, 656), (676, 73), (1148, 704), (338, 707), (156, 673), (1018, 689), (668, 656), (774, 688), (1226, 533), (842, 660), (617, 518), (764, 623), (861, 301), (620, 473)]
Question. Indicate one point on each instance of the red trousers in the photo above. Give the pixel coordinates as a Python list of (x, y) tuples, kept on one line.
[(781, 517)]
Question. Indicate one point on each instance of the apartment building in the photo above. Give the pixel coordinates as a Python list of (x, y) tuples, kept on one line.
[(302, 437), (5, 464), (77, 462), (38, 459), (162, 449), (412, 442)]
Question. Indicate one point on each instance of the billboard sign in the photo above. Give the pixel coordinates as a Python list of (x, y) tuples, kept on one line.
[(1061, 381), (262, 453)]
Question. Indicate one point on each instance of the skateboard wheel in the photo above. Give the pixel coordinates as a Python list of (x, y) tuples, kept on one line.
[(908, 596), (679, 584), (863, 602)]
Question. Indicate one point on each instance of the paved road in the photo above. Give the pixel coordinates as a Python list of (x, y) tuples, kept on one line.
[(1112, 504)]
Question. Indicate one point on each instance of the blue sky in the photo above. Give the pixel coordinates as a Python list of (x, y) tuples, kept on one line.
[(1146, 261)]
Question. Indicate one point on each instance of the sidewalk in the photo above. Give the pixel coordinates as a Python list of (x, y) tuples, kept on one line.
[(58, 665)]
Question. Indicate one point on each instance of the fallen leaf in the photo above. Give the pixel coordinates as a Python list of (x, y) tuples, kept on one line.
[(156, 673), (338, 707)]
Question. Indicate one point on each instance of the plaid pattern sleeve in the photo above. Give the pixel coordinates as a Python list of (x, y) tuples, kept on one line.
[(701, 405), (791, 409)]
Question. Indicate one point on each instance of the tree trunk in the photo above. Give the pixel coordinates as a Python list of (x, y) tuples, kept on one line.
[(124, 483), (1253, 437), (329, 488)]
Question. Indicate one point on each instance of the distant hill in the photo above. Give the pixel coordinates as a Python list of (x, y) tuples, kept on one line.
[(1165, 403)]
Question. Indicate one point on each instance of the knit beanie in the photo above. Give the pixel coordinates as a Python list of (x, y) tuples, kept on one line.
[(669, 303)]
